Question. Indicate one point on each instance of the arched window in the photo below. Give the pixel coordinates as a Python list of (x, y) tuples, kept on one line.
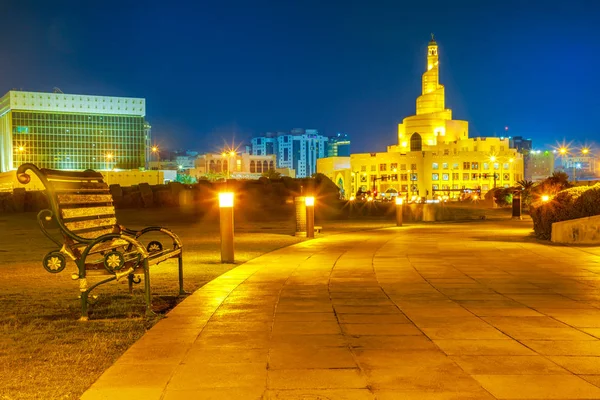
[(271, 165), (252, 167), (265, 166), (259, 167), (219, 168), (211, 166), (416, 143), (225, 165)]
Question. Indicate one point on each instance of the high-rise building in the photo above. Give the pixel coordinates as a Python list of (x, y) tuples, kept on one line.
[(539, 165), (434, 156), (338, 145), (72, 131), (298, 149)]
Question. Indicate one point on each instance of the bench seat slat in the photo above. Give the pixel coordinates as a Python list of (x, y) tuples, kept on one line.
[(87, 211), (93, 234), (66, 199), (78, 175), (90, 224), (61, 186)]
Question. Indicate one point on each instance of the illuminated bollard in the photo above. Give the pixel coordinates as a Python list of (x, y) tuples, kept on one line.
[(226, 224), (398, 211), (310, 216)]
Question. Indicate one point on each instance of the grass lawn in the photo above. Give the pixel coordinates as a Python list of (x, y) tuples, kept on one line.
[(45, 353)]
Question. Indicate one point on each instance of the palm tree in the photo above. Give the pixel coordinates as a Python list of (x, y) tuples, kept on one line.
[(271, 174)]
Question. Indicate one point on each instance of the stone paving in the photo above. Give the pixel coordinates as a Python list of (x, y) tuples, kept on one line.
[(435, 312)]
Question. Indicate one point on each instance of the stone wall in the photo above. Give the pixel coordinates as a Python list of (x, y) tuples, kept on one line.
[(577, 231)]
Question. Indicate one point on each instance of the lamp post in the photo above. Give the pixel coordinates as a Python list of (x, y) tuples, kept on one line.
[(109, 157), (310, 216), (226, 226), (398, 211), (21, 150), (156, 152)]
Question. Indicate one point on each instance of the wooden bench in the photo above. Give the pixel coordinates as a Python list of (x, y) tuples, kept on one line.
[(82, 207)]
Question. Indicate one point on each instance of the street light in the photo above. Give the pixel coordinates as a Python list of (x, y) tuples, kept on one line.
[(310, 216), (109, 157), (398, 211), (21, 150), (226, 226), (156, 152)]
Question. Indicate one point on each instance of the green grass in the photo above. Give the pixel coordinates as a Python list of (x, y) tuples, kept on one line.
[(45, 353)]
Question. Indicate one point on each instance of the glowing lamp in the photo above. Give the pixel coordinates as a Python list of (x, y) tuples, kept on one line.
[(225, 199), (545, 198), (584, 150), (493, 158), (351, 198), (21, 149), (398, 200), (309, 201)]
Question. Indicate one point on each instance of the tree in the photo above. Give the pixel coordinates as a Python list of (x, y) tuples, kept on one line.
[(212, 176), (555, 183), (271, 174), (186, 179)]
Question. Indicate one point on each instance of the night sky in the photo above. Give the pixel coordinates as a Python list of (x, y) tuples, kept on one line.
[(219, 70)]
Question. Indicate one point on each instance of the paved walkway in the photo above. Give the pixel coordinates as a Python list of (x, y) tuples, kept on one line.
[(440, 311)]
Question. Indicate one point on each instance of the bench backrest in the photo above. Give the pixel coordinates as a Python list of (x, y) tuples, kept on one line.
[(81, 201)]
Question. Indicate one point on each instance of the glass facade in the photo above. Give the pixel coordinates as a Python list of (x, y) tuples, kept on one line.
[(79, 141), (74, 132)]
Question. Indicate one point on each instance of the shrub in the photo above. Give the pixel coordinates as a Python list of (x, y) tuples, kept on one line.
[(573, 203)]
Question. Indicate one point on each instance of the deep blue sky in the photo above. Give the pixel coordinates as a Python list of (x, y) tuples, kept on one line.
[(215, 70)]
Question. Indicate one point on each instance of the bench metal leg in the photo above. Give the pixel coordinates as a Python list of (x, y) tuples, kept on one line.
[(130, 283), (147, 294), (181, 291), (84, 306)]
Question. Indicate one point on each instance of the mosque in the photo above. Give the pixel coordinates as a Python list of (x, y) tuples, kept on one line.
[(434, 158)]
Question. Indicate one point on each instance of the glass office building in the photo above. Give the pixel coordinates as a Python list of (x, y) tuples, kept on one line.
[(77, 132)]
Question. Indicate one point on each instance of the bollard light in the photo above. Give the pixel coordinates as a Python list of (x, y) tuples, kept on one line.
[(310, 216), (398, 211), (226, 199), (226, 225)]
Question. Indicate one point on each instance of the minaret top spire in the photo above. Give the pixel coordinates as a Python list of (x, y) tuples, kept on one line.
[(432, 41)]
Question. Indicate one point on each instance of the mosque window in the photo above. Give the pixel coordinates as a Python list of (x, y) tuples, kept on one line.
[(383, 167), (393, 166), (445, 177), (404, 188), (435, 165), (465, 177), (413, 177), (445, 165), (416, 143), (373, 168), (446, 152), (466, 165), (435, 177), (404, 177), (475, 165), (486, 166), (474, 177), (455, 176), (394, 177), (363, 168), (403, 167), (455, 166), (413, 167)]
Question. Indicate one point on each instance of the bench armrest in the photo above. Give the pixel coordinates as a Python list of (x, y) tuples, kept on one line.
[(137, 234), (139, 248)]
